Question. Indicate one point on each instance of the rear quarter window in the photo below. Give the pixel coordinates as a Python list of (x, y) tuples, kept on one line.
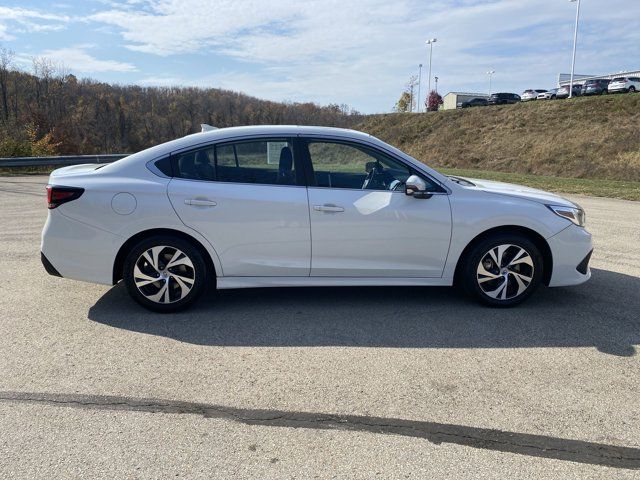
[(164, 166)]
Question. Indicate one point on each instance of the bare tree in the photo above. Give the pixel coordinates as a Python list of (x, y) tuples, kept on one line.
[(6, 64)]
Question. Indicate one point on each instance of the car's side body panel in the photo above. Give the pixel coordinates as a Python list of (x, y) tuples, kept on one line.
[(378, 234), (257, 230)]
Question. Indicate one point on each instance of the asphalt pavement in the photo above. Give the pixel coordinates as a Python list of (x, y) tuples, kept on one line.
[(319, 382)]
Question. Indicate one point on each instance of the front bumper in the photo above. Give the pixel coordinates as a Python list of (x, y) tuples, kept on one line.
[(571, 251)]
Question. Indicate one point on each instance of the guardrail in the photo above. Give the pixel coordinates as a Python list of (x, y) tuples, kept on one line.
[(61, 160)]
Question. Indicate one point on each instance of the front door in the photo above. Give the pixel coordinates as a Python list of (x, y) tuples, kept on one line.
[(246, 198), (363, 224)]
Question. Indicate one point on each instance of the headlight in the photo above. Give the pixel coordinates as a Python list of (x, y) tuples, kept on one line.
[(575, 214)]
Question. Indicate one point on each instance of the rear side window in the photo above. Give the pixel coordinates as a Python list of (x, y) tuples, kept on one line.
[(267, 162), (197, 164)]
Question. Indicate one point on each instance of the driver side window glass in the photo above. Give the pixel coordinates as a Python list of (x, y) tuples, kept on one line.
[(340, 165)]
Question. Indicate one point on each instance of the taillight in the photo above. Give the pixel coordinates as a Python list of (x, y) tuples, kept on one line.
[(56, 196)]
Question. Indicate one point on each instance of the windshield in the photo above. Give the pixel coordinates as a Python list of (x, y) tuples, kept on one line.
[(619, 79)]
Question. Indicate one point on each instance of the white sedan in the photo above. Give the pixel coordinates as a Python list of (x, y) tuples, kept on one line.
[(274, 206)]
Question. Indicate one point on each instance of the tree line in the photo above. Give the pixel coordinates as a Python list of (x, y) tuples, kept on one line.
[(51, 111)]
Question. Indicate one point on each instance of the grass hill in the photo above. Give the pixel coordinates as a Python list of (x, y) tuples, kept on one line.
[(582, 138)]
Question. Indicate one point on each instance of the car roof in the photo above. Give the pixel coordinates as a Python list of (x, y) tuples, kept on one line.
[(229, 133)]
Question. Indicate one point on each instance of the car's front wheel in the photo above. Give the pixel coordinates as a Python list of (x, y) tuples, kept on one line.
[(502, 270), (165, 273)]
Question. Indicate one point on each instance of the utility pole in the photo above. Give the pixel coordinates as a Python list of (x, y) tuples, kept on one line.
[(419, 84), (575, 41), (490, 73), (430, 42), (436, 79), (411, 98)]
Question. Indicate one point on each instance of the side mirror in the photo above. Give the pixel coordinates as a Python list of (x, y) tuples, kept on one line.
[(416, 187)]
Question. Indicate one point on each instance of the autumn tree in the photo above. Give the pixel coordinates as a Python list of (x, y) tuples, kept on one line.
[(434, 100)]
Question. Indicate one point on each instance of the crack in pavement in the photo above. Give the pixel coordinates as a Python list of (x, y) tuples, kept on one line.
[(503, 441)]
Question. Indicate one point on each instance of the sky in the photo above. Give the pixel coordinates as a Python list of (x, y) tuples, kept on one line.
[(355, 52)]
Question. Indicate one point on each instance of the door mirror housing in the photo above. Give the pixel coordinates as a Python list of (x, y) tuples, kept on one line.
[(416, 187)]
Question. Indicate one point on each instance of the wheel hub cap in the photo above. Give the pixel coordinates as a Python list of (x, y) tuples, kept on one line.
[(505, 272), (164, 274)]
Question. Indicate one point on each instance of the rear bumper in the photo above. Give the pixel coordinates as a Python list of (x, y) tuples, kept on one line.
[(51, 270), (73, 249), (571, 251)]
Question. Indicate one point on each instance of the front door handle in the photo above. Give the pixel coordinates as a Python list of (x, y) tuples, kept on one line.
[(200, 202), (328, 207)]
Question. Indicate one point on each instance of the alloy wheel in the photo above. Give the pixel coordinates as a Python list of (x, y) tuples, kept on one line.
[(164, 274), (505, 272)]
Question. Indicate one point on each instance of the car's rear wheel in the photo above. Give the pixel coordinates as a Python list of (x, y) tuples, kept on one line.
[(165, 273), (632, 89), (502, 270)]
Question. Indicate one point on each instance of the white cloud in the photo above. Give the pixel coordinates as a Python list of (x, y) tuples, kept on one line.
[(19, 20), (78, 59), (362, 52)]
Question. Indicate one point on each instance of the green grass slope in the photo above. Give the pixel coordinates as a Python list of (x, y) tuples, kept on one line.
[(586, 138)]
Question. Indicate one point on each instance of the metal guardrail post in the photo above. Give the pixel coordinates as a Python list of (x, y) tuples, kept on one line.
[(18, 162)]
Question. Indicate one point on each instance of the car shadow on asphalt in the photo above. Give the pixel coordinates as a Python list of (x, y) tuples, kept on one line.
[(603, 313)]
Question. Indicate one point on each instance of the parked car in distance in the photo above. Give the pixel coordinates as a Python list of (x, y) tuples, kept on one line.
[(531, 94), (624, 84), (474, 102), (563, 92), (548, 94), (269, 206), (595, 87), (503, 98)]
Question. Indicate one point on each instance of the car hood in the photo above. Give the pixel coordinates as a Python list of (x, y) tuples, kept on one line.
[(520, 191)]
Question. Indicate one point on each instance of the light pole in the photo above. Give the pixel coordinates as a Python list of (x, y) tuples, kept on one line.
[(575, 41), (436, 79), (419, 84), (430, 42), (490, 73)]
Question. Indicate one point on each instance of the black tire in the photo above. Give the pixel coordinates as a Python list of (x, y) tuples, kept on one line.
[(173, 281), (477, 284), (632, 89)]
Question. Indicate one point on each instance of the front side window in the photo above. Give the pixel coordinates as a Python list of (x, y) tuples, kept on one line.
[(268, 162), (344, 165)]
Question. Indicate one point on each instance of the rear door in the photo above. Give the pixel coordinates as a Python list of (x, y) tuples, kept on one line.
[(249, 200), (362, 223)]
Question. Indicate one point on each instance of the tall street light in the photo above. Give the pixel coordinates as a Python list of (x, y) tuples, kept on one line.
[(575, 41), (490, 73), (430, 42), (419, 84)]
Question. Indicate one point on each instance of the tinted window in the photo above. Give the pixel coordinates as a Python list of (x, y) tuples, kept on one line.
[(342, 165), (268, 162), (164, 165), (197, 164)]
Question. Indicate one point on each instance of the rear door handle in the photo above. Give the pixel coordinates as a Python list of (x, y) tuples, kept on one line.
[(199, 202), (328, 207)]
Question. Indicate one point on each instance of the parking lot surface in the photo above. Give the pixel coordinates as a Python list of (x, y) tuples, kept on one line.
[(318, 383)]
